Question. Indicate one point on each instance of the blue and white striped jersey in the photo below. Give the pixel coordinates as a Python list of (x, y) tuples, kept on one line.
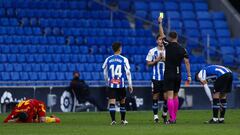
[(212, 72), (159, 68), (116, 66)]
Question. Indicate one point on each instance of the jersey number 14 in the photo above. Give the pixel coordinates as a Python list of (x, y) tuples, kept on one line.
[(116, 70)]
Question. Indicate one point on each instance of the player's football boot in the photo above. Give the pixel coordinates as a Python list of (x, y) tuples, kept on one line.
[(57, 120), (124, 122), (171, 122), (155, 118), (113, 123), (164, 119), (221, 120), (211, 122)]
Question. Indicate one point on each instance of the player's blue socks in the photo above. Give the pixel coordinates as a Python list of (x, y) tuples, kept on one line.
[(122, 111), (155, 107), (112, 111), (216, 106), (223, 107)]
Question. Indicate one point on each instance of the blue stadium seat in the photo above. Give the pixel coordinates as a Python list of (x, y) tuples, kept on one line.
[(58, 49), (190, 24), (33, 76), (45, 67), (218, 15), (140, 5), (68, 75), (50, 49), (206, 32), (56, 58), (12, 58), (203, 15), (56, 67), (60, 76), (5, 76), (220, 24), (47, 58), (5, 49), (51, 76), (17, 67), (186, 6), (192, 33), (228, 60), (201, 6), (137, 76), (236, 42), (124, 5), (2, 68), (142, 14), (38, 58), (62, 67), (80, 67), (42, 76), (27, 67), (71, 67), (34, 22), (224, 42), (156, 6), (227, 50), (146, 76), (173, 15), (175, 24), (24, 76), (3, 58), (98, 67), (29, 58), (87, 76), (96, 76), (171, 6), (89, 67), (205, 24), (99, 59), (82, 58), (36, 67), (223, 33), (74, 58)]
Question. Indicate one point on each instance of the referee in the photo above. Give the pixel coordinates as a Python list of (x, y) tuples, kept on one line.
[(175, 54)]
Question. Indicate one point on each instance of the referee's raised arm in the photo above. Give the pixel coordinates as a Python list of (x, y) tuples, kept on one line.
[(161, 32)]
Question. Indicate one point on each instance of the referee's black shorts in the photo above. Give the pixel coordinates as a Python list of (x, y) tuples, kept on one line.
[(116, 93), (172, 83), (223, 84)]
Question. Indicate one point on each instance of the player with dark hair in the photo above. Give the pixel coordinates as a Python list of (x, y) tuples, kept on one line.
[(156, 58), (116, 69), (175, 54), (222, 79), (30, 111)]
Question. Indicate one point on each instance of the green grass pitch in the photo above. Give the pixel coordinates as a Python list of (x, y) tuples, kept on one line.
[(140, 123)]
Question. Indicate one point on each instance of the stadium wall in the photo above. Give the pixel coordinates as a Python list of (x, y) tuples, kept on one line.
[(194, 97)]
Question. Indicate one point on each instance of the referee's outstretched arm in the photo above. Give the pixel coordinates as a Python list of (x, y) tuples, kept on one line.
[(161, 32)]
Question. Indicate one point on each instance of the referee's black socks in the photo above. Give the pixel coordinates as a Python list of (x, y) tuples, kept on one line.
[(122, 111), (155, 107), (216, 107), (112, 111), (223, 108)]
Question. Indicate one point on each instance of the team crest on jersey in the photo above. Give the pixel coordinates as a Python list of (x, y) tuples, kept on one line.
[(116, 81)]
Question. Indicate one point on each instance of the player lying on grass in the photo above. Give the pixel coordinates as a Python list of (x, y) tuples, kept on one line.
[(30, 111), (222, 79)]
